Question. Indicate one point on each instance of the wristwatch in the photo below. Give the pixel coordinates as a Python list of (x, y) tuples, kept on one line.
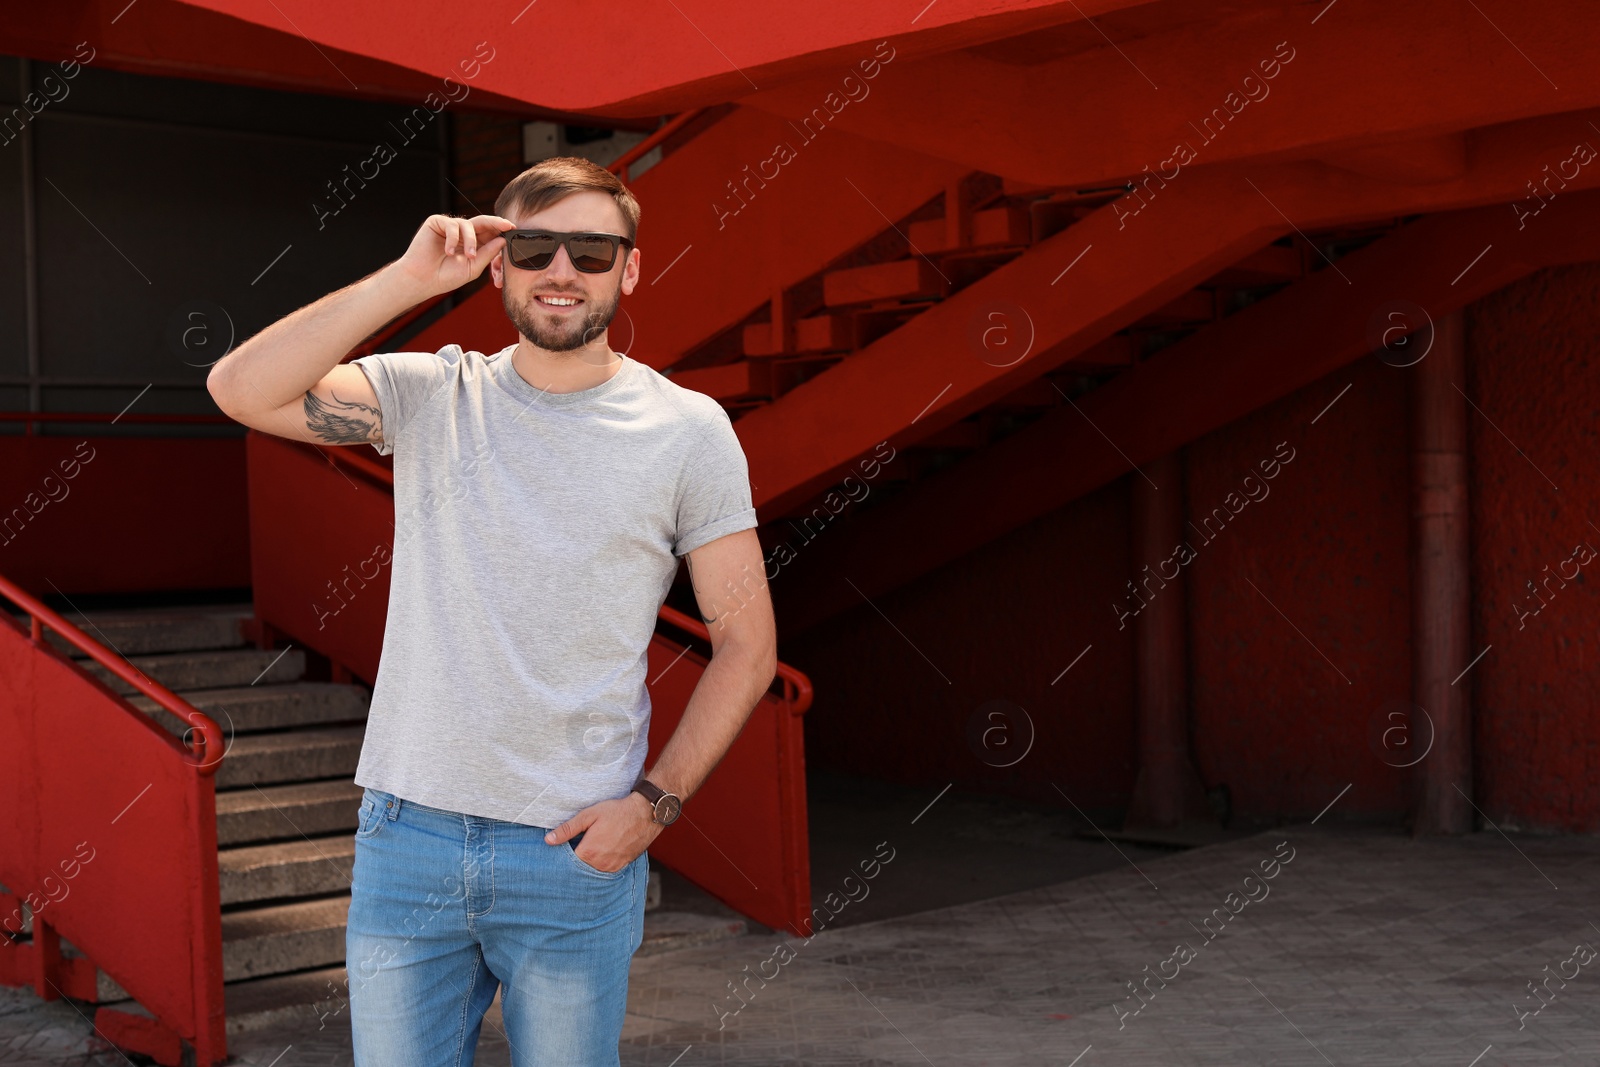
[(667, 805)]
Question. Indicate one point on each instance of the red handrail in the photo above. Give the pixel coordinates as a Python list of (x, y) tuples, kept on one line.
[(104, 416), (29, 418), (620, 165), (211, 739), (370, 345), (797, 687)]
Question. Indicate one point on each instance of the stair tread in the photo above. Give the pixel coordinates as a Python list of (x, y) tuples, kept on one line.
[(283, 938), (295, 917), (242, 858), (299, 739), (240, 694), (255, 798), (294, 755), (171, 612), (324, 991), (286, 869), (242, 708), (140, 631), (208, 668), (253, 1003)]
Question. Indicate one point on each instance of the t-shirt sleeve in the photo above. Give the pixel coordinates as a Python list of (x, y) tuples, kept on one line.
[(403, 382), (714, 500)]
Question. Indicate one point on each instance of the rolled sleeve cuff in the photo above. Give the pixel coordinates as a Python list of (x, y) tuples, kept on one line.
[(739, 520)]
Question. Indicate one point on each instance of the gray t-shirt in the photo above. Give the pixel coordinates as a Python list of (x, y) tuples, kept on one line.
[(536, 536)]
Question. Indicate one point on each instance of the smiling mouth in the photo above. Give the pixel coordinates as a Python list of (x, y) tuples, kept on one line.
[(557, 303)]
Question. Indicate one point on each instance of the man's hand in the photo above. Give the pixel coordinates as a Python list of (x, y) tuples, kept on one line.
[(448, 252), (615, 832)]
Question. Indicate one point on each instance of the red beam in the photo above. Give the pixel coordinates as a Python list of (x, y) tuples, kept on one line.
[(1112, 270), (1198, 385)]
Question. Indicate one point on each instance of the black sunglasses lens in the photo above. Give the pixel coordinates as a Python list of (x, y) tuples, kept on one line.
[(531, 251), (592, 254)]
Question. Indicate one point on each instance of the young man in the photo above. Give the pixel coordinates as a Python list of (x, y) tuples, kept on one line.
[(543, 497)]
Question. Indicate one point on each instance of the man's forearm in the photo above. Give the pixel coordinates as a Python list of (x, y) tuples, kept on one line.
[(733, 682), (287, 358)]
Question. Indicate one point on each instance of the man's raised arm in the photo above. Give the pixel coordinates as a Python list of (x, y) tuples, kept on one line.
[(288, 379)]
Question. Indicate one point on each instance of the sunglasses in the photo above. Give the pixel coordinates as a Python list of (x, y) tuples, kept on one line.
[(592, 253)]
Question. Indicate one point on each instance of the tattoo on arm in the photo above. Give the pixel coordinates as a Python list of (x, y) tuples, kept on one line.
[(342, 422), (700, 611)]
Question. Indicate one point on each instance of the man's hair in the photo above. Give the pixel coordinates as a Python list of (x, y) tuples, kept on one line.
[(557, 178)]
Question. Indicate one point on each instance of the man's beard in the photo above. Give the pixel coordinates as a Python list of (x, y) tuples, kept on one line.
[(564, 333)]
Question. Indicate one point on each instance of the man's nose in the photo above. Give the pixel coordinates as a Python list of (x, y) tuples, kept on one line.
[(561, 268)]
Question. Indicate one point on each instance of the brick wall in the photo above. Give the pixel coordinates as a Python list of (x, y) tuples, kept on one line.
[(486, 153)]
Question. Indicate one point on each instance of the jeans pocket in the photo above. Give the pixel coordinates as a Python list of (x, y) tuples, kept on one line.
[(374, 813), (582, 865)]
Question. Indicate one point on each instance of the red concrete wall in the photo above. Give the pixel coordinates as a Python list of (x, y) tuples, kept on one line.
[(96, 514), (1285, 680), (1283, 694), (1000, 624), (1532, 355), (1326, 541)]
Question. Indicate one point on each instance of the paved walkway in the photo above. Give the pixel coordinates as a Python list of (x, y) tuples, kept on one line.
[(1363, 947)]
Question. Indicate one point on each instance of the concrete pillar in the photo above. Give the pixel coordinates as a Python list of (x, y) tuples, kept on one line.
[(1168, 791), (1441, 633)]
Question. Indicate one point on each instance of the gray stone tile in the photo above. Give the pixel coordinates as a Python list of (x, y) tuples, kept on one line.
[(1369, 948)]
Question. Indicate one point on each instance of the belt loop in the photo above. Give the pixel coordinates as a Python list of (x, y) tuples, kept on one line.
[(393, 807)]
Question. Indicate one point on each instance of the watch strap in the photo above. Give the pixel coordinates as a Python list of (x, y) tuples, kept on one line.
[(654, 794)]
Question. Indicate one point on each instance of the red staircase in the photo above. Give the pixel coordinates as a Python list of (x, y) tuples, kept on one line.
[(113, 840)]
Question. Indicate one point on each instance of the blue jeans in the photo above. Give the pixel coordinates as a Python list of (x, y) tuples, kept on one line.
[(445, 908)]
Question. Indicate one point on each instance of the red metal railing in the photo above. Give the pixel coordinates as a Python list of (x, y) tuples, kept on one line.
[(796, 686), (620, 165), (30, 419), (81, 764), (210, 748)]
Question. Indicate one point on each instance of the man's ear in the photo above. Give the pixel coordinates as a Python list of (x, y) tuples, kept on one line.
[(630, 272), (497, 271)]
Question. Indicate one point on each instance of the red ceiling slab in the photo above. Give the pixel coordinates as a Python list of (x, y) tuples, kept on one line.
[(1368, 72), (647, 59), (168, 39)]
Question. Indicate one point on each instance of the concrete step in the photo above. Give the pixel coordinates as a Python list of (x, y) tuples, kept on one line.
[(291, 756), (258, 814), (301, 868), (308, 1001), (247, 708), (315, 999), (279, 938), (320, 998), (209, 669), (148, 630), (276, 939)]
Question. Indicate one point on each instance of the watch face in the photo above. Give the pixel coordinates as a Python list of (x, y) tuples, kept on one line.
[(668, 808)]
